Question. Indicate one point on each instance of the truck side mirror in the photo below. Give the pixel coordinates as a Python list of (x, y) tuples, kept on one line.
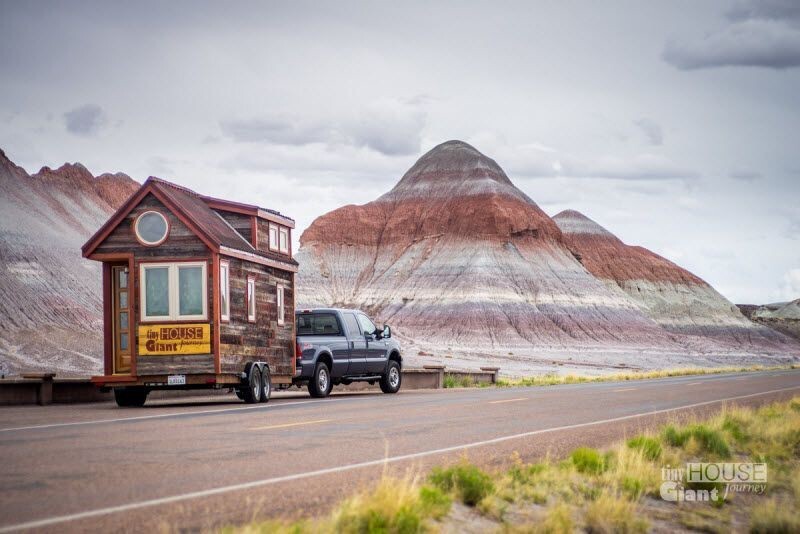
[(387, 332)]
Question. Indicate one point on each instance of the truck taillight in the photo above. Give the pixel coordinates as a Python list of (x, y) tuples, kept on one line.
[(299, 348)]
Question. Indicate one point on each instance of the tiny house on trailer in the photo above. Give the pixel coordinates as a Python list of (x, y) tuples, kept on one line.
[(198, 292)]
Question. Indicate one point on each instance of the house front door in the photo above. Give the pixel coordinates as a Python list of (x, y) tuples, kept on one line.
[(121, 309)]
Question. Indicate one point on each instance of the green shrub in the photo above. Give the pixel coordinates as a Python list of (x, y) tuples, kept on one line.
[(466, 481), (709, 440), (588, 460), (434, 502), (650, 447), (674, 437)]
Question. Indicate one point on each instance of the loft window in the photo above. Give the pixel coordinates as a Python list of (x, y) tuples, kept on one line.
[(281, 310), (251, 299), (283, 240), (224, 291), (151, 228), (273, 237), (173, 291)]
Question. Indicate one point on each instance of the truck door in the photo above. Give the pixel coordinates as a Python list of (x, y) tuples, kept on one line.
[(376, 348), (358, 345)]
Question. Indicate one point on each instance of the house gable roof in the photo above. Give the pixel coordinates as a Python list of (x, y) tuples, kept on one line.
[(194, 211)]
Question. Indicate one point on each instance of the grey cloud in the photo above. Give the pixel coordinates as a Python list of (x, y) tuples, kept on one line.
[(747, 176), (765, 9), (651, 130), (85, 120), (390, 126), (752, 43)]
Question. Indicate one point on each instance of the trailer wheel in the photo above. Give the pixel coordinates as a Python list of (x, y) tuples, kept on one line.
[(239, 393), (390, 382), (252, 392), (130, 397), (266, 384), (320, 384)]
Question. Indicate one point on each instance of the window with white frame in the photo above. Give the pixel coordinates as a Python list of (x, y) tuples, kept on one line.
[(173, 291), (273, 237), (283, 240), (224, 291), (251, 299), (281, 311)]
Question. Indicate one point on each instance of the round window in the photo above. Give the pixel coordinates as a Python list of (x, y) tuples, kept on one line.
[(151, 228)]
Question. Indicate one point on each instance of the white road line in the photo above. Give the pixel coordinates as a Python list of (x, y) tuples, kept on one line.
[(503, 401), (171, 414), (693, 384), (382, 461), (624, 389)]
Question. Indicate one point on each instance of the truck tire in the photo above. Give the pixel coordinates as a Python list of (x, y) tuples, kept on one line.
[(251, 393), (390, 382), (130, 397), (320, 384), (266, 384)]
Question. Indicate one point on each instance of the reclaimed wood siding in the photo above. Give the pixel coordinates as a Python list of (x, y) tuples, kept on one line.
[(181, 243), (242, 341), (262, 228), (241, 223)]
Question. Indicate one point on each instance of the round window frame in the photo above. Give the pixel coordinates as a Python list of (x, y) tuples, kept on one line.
[(139, 237)]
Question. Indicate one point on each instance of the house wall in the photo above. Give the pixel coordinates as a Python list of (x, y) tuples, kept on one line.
[(242, 341), (241, 223), (181, 244), (262, 228)]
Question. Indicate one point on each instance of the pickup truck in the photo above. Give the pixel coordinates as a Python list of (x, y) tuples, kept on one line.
[(340, 346)]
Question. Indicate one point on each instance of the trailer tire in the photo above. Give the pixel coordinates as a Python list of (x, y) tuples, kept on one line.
[(266, 384), (390, 382), (251, 393), (320, 384), (130, 397)]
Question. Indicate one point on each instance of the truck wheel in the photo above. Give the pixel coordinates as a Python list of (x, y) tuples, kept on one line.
[(390, 382), (252, 392), (266, 384), (130, 397), (320, 384)]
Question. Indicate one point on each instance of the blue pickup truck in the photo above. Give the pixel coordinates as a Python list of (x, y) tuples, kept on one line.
[(339, 346)]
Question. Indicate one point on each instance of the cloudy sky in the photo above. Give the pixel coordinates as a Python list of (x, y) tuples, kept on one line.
[(675, 124)]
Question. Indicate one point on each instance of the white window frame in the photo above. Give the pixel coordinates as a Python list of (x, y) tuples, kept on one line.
[(251, 301), (283, 239), (143, 240), (280, 303), (274, 240), (174, 296), (225, 287)]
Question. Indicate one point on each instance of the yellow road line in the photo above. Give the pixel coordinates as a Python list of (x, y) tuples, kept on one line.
[(508, 400), (693, 383), (625, 389), (287, 425)]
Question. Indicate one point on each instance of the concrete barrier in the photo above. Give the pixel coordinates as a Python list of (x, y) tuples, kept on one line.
[(45, 388)]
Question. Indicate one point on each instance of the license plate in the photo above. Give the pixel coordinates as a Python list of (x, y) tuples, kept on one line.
[(176, 380)]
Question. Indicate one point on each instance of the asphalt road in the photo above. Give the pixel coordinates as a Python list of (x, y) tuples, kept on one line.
[(195, 465)]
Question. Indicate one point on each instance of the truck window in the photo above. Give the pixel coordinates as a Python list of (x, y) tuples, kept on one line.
[(318, 324), (352, 324), (366, 325)]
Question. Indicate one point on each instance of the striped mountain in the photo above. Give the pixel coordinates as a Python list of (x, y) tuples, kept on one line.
[(50, 301), (456, 258)]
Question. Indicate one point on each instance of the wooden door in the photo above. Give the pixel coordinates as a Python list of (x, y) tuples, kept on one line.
[(122, 319)]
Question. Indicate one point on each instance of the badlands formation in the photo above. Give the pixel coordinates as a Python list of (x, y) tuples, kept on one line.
[(50, 300), (465, 266)]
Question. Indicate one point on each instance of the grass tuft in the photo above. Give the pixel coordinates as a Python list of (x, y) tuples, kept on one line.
[(649, 446), (610, 514), (773, 518), (468, 483), (588, 460)]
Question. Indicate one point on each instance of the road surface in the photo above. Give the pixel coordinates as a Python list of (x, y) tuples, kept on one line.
[(189, 464)]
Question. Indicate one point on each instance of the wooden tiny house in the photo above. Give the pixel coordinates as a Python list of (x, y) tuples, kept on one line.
[(198, 292)]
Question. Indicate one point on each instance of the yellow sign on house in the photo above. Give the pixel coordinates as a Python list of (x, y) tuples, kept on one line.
[(174, 339)]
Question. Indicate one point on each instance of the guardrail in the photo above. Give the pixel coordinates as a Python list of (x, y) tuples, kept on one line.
[(45, 388)]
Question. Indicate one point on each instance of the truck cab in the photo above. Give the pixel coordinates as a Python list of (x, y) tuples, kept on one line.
[(340, 346)]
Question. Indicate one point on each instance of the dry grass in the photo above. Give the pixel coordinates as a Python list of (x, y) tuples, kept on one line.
[(553, 379), (594, 491)]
